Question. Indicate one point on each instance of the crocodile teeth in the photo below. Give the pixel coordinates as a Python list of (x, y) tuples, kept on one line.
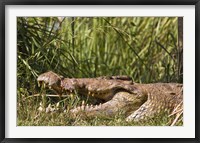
[(57, 105), (87, 107), (44, 85), (83, 102), (78, 108), (100, 105), (40, 109), (49, 108), (38, 84), (82, 107), (40, 103)]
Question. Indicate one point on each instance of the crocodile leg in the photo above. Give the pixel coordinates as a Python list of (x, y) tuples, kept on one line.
[(147, 110), (159, 101), (122, 101)]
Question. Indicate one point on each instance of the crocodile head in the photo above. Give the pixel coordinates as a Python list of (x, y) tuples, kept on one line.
[(51, 80), (101, 88)]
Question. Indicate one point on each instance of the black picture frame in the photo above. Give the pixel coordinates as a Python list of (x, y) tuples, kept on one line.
[(3, 4)]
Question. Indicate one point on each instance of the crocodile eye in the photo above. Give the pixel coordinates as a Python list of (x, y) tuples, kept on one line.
[(172, 93)]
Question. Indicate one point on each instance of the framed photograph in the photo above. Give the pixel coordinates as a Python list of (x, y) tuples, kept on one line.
[(103, 71)]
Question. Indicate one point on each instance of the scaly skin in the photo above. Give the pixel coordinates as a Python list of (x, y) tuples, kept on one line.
[(137, 101)]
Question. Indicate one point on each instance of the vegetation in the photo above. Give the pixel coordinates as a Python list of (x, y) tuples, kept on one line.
[(144, 48)]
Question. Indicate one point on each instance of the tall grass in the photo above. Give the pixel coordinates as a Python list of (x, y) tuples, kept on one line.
[(144, 48)]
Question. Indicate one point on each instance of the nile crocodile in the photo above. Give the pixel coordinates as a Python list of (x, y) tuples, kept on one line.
[(117, 93)]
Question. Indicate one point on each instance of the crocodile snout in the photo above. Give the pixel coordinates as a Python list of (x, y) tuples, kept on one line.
[(50, 79)]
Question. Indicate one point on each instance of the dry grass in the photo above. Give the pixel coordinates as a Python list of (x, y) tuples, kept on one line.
[(55, 112)]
